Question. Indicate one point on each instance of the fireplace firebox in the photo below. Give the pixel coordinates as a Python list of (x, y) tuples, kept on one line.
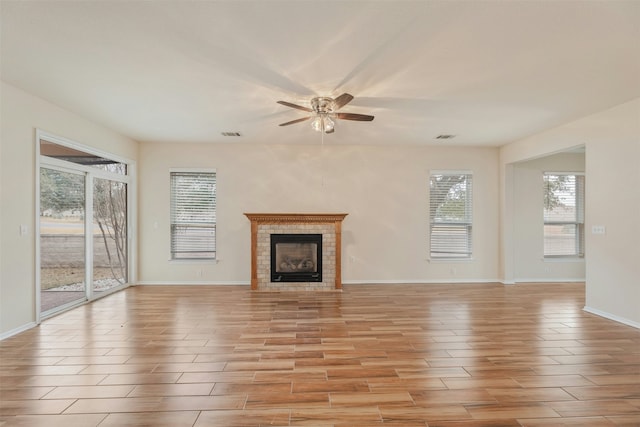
[(296, 257)]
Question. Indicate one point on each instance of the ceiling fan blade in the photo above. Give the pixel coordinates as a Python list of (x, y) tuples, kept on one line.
[(342, 100), (352, 116), (295, 121), (299, 107)]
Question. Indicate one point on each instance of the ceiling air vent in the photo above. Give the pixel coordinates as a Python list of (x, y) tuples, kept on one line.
[(230, 133), (445, 136)]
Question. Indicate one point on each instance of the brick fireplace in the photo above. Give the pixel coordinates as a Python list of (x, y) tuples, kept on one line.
[(264, 225)]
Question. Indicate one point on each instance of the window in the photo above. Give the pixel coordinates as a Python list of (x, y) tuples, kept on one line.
[(193, 215), (563, 215), (450, 212)]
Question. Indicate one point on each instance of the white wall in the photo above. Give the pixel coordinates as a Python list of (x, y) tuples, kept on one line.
[(529, 262), (612, 141), (21, 114), (384, 190)]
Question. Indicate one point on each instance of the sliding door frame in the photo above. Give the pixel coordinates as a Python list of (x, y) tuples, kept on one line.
[(89, 173)]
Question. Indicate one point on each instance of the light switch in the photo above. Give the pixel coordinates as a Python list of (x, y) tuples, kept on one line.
[(24, 230)]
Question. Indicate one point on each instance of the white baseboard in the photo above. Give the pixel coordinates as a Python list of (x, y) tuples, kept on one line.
[(612, 317), (417, 282), (344, 282), (516, 281), (192, 283), (547, 280), (17, 330)]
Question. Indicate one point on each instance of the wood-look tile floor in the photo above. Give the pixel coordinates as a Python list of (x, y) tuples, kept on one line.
[(403, 355)]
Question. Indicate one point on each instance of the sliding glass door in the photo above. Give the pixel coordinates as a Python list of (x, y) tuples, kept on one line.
[(83, 240), (62, 239), (109, 234)]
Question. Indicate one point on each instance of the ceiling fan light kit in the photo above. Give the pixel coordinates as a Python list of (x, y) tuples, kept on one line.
[(323, 123), (324, 115)]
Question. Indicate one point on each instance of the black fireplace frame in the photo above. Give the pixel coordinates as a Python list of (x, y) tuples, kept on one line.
[(279, 276)]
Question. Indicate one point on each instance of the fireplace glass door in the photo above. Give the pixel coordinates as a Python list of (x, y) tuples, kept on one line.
[(296, 257)]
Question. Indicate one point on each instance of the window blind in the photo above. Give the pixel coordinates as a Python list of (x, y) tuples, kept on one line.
[(193, 215), (451, 215), (563, 215)]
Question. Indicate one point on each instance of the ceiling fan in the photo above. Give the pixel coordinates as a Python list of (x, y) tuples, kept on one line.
[(324, 111)]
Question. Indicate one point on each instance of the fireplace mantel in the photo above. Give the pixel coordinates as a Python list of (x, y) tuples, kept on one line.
[(305, 218), (261, 222)]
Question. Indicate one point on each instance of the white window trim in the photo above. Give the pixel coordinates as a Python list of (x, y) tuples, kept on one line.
[(443, 260), (564, 258), (216, 259)]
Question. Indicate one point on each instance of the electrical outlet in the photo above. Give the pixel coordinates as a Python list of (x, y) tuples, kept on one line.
[(598, 229)]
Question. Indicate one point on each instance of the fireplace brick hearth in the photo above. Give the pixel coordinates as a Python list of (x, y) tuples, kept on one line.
[(263, 225)]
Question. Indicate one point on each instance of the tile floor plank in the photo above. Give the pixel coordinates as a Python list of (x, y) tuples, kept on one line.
[(454, 355)]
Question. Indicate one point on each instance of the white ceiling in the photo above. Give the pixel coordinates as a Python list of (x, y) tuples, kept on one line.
[(185, 71)]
